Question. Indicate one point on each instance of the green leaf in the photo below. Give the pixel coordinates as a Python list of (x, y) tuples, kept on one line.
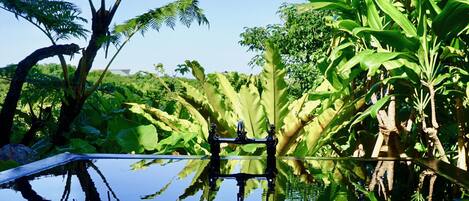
[(373, 61), (229, 92), (317, 127), (138, 139), (8, 164), (186, 11), (217, 103), (440, 79), (392, 38), (387, 7), (452, 20), (216, 107), (90, 130), (193, 93), (119, 123), (347, 25), (420, 147), (274, 96), (345, 69), (300, 114), (196, 116), (371, 111), (325, 5), (253, 114), (449, 52), (326, 124), (372, 15), (81, 146), (197, 70)]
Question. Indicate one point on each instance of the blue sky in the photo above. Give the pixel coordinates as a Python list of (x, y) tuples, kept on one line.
[(216, 48)]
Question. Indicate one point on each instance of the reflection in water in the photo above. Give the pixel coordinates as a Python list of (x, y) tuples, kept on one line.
[(198, 179), (241, 178), (78, 169), (22, 185)]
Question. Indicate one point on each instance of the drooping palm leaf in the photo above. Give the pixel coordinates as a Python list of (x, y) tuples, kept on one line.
[(187, 11), (56, 18)]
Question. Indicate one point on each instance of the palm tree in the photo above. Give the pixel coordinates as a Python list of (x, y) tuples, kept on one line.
[(186, 11), (57, 20)]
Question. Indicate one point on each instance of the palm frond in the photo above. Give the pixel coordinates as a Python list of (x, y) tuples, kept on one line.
[(187, 11), (56, 18)]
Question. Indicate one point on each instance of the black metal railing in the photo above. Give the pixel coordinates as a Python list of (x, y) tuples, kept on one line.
[(270, 172)]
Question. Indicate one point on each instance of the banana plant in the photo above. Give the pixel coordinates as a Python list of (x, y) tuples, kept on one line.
[(394, 44), (403, 47), (262, 101)]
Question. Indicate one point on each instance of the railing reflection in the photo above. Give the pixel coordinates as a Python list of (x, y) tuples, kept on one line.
[(241, 178)]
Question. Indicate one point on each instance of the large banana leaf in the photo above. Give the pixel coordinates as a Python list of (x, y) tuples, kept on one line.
[(387, 7), (325, 125), (345, 69), (195, 114), (375, 60), (229, 93), (299, 116), (374, 20), (337, 5), (274, 95), (215, 109), (184, 134), (393, 38), (138, 139), (171, 121), (194, 94), (313, 131), (453, 19), (253, 113)]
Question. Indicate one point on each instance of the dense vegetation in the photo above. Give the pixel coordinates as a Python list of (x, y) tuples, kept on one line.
[(339, 78)]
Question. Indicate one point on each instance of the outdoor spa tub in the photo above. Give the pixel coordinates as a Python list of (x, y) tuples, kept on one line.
[(155, 177)]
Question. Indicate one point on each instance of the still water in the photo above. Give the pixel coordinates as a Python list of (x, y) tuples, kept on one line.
[(190, 179)]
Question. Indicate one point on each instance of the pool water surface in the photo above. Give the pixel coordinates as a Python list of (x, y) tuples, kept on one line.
[(169, 178)]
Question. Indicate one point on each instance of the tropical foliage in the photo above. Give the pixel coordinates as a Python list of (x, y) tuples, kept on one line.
[(260, 101), (303, 38), (339, 78), (411, 58)]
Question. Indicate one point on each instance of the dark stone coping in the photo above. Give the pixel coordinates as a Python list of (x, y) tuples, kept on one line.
[(448, 171)]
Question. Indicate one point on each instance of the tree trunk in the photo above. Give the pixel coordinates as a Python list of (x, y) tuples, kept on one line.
[(24, 187), (9, 106), (76, 96), (73, 103), (432, 132), (462, 149), (86, 182), (37, 123), (68, 112)]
